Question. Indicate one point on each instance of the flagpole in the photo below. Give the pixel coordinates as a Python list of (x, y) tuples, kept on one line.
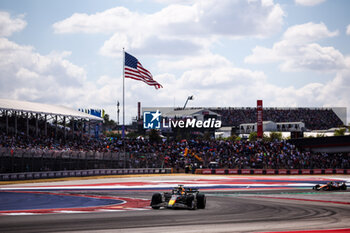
[(123, 127)]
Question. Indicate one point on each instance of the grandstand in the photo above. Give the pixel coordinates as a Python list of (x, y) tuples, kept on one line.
[(36, 119), (38, 137), (312, 118)]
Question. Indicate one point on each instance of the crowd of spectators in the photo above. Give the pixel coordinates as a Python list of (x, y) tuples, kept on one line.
[(85, 144), (314, 119), (170, 153)]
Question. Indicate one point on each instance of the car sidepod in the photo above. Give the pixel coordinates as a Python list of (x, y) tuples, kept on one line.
[(173, 201)]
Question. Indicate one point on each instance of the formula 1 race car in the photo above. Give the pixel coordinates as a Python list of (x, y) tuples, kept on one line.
[(179, 197), (330, 186)]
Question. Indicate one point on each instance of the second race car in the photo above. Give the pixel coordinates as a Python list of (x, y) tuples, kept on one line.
[(330, 186)]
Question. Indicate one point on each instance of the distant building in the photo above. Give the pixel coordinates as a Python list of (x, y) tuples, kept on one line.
[(273, 126)]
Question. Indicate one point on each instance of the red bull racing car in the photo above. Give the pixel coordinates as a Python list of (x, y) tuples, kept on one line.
[(330, 186), (179, 198)]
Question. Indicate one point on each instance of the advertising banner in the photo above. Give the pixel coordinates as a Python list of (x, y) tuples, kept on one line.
[(232, 171), (220, 171), (305, 171), (206, 171), (270, 171), (328, 171), (294, 171), (258, 171), (317, 171), (245, 171), (282, 171), (339, 171)]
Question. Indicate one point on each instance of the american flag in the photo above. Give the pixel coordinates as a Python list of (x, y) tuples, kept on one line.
[(134, 70)]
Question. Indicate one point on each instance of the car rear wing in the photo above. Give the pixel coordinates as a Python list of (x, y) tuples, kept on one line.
[(191, 190)]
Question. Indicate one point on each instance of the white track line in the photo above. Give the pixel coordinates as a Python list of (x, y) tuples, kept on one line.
[(20, 213)]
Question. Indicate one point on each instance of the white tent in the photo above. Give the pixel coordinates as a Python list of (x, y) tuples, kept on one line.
[(31, 107), (43, 112)]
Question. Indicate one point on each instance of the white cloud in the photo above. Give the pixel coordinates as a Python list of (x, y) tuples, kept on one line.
[(308, 32), (10, 25), (115, 19), (152, 45), (262, 55), (204, 61), (297, 50), (177, 29), (223, 84), (348, 30), (28, 75), (53, 79), (228, 86), (210, 78), (204, 17), (31, 76), (175, 1), (309, 2), (334, 93)]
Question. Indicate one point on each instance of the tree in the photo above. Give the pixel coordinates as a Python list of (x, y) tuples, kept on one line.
[(233, 138), (340, 132), (207, 136), (108, 121), (154, 136), (108, 126), (253, 136), (275, 136), (113, 134), (132, 135)]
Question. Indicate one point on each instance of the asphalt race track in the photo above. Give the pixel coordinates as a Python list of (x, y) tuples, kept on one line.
[(93, 206)]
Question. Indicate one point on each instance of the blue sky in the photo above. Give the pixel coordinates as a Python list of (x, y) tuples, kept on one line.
[(226, 53)]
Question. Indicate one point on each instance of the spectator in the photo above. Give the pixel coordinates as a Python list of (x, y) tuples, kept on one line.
[(228, 154)]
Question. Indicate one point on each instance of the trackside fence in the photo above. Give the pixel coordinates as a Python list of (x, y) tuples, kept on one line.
[(44, 160), (81, 173), (328, 171)]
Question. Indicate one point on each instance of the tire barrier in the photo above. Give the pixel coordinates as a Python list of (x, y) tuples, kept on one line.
[(329, 171), (81, 173)]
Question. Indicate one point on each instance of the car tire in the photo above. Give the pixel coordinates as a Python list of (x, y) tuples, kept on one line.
[(317, 187), (156, 200), (201, 201)]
